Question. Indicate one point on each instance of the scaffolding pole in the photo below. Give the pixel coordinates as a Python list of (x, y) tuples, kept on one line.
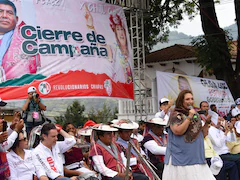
[(137, 40)]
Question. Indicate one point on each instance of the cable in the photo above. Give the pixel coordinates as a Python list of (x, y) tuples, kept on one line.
[(213, 22), (156, 14)]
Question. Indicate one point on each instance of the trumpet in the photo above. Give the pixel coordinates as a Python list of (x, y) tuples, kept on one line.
[(143, 160)]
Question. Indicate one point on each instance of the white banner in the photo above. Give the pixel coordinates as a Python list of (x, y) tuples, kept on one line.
[(65, 48), (213, 91)]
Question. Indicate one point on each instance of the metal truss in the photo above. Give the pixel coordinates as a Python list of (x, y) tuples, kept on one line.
[(136, 4), (137, 40)]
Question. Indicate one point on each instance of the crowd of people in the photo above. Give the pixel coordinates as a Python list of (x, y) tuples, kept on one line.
[(180, 143)]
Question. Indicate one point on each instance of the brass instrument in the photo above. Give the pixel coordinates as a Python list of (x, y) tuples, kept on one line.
[(131, 145)]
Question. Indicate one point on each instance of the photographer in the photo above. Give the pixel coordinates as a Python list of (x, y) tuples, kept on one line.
[(32, 110)]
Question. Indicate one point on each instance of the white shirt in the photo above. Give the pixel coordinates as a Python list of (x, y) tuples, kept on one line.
[(10, 141), (52, 161), (138, 137), (218, 140), (154, 148), (24, 168), (231, 136), (100, 167), (162, 115)]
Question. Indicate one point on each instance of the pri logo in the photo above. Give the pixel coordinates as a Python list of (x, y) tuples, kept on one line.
[(44, 87), (108, 86)]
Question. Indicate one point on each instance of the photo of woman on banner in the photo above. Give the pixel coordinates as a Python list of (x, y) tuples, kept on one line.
[(119, 53), (13, 63), (183, 84)]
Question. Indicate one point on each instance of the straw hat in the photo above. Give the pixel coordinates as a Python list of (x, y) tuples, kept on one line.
[(158, 121), (104, 127), (125, 124), (85, 132)]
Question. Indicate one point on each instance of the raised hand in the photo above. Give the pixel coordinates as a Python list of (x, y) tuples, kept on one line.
[(3, 136), (15, 120), (19, 126)]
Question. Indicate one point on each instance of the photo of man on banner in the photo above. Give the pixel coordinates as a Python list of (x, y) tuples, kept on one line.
[(13, 62)]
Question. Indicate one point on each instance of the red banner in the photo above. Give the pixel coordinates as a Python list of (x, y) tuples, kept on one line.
[(77, 48)]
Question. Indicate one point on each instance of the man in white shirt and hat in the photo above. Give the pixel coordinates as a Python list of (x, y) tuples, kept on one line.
[(50, 151), (155, 142), (108, 158), (164, 106), (236, 110), (125, 128)]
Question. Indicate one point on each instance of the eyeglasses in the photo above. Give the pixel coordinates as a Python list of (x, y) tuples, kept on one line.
[(24, 139)]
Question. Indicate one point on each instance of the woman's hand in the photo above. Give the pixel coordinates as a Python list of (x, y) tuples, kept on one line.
[(192, 112), (3, 136)]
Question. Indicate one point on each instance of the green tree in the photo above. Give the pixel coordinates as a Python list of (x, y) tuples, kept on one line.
[(159, 17), (74, 114), (60, 120), (162, 15), (104, 114), (213, 48)]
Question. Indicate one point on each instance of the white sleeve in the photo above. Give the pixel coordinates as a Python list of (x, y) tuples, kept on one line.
[(231, 137), (133, 161), (101, 168), (217, 141), (45, 165), (160, 114), (67, 144), (8, 144), (154, 148), (124, 159), (9, 131), (142, 152)]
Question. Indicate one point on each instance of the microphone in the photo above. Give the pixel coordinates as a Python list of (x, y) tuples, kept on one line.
[(190, 107), (195, 115)]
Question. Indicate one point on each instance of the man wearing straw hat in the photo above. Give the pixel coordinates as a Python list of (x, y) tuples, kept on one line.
[(107, 157), (125, 129), (155, 143)]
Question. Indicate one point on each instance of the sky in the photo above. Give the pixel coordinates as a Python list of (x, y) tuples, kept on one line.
[(225, 13)]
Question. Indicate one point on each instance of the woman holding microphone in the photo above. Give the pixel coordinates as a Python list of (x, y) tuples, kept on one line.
[(185, 157)]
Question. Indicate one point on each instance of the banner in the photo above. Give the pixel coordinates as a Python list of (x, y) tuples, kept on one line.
[(216, 92), (65, 48)]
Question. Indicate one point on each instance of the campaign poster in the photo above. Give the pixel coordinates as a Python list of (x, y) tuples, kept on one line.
[(66, 49), (216, 92)]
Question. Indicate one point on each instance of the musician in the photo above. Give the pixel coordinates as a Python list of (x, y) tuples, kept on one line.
[(107, 157), (155, 142), (125, 129)]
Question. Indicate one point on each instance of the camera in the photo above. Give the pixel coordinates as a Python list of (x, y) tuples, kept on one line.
[(36, 95), (5, 126), (202, 112)]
